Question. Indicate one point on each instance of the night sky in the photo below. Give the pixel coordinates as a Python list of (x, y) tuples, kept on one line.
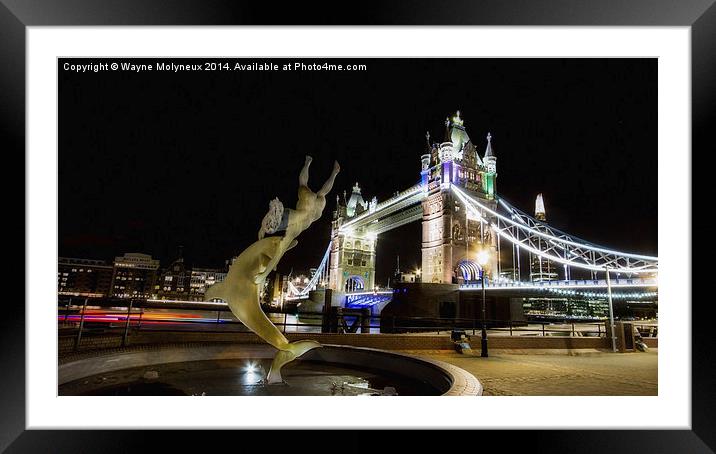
[(153, 160)]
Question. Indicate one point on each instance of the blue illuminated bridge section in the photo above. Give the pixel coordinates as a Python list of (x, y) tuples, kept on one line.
[(368, 299)]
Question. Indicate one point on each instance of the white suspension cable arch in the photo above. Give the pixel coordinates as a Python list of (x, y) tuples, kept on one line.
[(583, 255)]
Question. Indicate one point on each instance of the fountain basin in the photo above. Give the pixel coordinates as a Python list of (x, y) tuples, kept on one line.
[(237, 369)]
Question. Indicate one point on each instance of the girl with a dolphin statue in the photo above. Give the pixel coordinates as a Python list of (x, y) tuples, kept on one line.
[(247, 274)]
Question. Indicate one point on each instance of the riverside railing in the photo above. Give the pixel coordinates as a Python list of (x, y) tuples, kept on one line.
[(85, 316)]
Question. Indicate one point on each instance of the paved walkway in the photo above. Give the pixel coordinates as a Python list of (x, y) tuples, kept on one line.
[(554, 373)]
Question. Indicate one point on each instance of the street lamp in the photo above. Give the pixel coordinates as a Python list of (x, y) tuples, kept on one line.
[(611, 311), (482, 258)]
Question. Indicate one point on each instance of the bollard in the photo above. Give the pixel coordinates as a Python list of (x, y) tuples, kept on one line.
[(126, 324), (326, 319), (365, 321), (82, 324), (67, 309)]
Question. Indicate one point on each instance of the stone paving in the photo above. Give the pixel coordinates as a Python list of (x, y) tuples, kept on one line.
[(557, 373)]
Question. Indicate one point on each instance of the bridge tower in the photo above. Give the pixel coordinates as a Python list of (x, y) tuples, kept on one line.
[(452, 236), (352, 259)]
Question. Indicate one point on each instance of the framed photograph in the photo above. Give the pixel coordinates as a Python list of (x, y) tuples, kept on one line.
[(298, 219)]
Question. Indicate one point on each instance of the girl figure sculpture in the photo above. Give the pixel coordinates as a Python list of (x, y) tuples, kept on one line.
[(248, 272), (309, 207)]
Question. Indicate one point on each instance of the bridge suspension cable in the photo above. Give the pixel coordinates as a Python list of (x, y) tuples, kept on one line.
[(547, 242), (320, 273)]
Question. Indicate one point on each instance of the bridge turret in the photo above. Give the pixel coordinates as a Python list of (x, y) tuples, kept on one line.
[(352, 251), (425, 162), (458, 135), (490, 161), (456, 139), (452, 235), (356, 205), (490, 158)]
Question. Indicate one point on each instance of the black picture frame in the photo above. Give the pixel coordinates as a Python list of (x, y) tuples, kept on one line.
[(16, 15)]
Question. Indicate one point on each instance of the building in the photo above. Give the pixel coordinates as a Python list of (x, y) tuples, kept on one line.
[(410, 277), (83, 277), (277, 290), (541, 269), (184, 283), (174, 282), (298, 282), (565, 308), (201, 279), (134, 276)]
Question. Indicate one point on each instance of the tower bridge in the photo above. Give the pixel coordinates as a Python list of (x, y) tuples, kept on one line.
[(469, 232)]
